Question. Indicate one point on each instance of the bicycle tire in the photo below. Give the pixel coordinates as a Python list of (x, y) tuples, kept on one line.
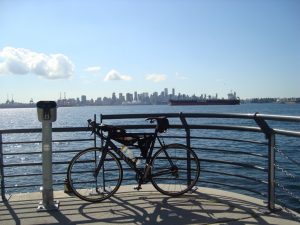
[(174, 180), (85, 185)]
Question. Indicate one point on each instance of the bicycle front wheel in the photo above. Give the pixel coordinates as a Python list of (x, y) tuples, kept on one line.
[(175, 169), (85, 184)]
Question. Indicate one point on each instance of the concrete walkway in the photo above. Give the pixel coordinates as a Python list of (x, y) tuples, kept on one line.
[(147, 206)]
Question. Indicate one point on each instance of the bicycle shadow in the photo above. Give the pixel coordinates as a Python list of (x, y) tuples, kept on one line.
[(144, 208), (151, 207)]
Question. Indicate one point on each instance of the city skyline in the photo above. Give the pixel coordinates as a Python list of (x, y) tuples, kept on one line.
[(145, 98), (133, 96), (99, 47)]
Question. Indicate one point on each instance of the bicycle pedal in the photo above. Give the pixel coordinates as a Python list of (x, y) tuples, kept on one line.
[(137, 188)]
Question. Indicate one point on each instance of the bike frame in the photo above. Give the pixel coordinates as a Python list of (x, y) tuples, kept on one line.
[(110, 146)]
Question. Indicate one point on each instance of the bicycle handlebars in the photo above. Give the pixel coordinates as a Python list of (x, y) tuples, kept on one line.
[(112, 130)]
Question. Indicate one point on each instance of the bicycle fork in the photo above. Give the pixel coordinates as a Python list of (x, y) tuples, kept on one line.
[(100, 164)]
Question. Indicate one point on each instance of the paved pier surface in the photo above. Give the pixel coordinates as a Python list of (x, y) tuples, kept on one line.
[(147, 206)]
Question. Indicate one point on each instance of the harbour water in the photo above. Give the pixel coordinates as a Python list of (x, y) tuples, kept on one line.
[(77, 117)]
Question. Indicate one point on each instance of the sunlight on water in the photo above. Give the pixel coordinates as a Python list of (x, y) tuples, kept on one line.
[(77, 116)]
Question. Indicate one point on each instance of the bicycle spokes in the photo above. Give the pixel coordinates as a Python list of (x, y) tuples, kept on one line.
[(85, 184), (175, 170)]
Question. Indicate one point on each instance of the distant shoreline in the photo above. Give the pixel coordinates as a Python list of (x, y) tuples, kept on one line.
[(33, 105)]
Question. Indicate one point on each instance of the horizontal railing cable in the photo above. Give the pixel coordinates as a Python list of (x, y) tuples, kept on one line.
[(229, 151)]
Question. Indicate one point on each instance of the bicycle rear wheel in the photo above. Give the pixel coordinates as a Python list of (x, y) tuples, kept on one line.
[(81, 177), (175, 169)]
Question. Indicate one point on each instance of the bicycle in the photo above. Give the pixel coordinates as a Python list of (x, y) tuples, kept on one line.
[(95, 174)]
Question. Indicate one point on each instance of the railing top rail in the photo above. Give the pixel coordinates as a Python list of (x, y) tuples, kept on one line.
[(219, 115), (135, 116), (174, 115), (278, 117), (206, 115), (186, 115)]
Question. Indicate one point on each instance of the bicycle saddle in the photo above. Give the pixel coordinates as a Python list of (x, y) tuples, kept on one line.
[(162, 123)]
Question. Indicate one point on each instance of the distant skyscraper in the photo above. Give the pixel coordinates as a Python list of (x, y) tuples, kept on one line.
[(173, 92), (121, 97), (113, 97), (129, 97), (166, 92), (83, 99), (135, 96)]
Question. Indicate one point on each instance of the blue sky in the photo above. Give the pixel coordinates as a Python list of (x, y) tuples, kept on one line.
[(95, 47)]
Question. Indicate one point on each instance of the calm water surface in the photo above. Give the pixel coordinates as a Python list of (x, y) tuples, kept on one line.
[(77, 116)]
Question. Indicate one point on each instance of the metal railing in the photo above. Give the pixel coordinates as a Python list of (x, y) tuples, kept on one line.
[(21, 161), (237, 151)]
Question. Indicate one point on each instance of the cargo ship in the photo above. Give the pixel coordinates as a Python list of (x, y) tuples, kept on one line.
[(232, 100)]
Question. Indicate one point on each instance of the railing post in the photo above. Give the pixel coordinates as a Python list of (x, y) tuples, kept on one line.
[(95, 136), (270, 135), (2, 171), (271, 174), (188, 144), (187, 130)]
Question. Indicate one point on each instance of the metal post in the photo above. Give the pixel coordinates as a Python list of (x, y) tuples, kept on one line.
[(188, 143), (2, 171), (95, 136), (270, 135), (47, 115), (47, 190), (271, 174), (187, 130)]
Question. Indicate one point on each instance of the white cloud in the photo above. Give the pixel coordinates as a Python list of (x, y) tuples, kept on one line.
[(22, 61), (115, 75), (93, 69), (155, 77)]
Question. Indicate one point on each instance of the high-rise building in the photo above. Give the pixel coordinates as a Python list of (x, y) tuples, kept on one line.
[(129, 97), (83, 99), (135, 96), (121, 98), (114, 98), (166, 92)]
